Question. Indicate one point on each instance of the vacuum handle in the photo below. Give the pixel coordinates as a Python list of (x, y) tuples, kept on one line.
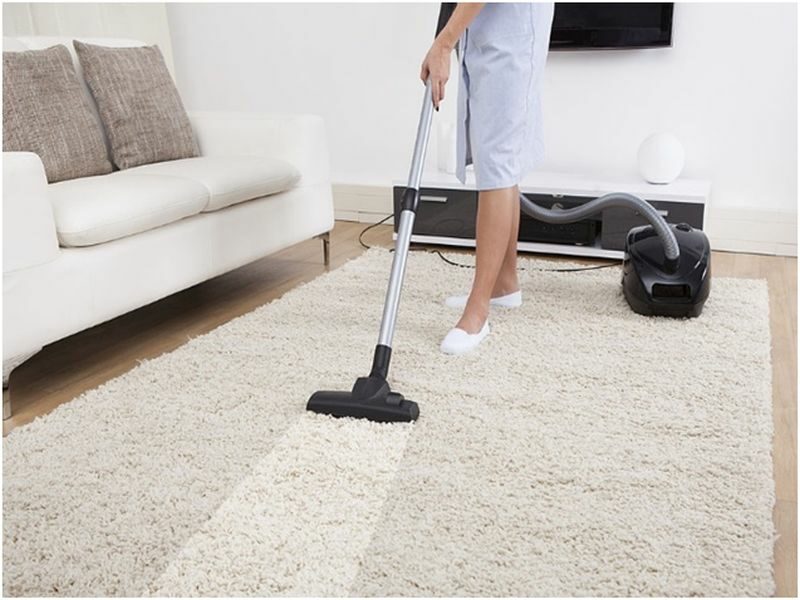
[(421, 143), (408, 208)]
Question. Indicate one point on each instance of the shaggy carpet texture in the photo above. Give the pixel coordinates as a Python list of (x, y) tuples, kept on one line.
[(583, 450)]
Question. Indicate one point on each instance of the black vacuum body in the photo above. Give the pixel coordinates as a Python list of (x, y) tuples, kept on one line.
[(654, 286)]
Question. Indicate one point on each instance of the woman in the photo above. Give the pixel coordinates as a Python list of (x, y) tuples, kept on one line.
[(502, 52)]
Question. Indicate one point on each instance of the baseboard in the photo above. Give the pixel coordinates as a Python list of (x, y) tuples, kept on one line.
[(362, 203), (753, 231), (730, 229)]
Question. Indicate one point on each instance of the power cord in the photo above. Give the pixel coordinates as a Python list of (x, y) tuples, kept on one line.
[(463, 266), (366, 229)]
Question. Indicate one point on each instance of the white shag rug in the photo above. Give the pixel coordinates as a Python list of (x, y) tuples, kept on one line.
[(583, 450)]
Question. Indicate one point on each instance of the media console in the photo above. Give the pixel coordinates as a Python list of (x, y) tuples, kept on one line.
[(447, 209)]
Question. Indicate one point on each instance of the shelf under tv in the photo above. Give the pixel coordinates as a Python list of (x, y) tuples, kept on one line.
[(447, 208)]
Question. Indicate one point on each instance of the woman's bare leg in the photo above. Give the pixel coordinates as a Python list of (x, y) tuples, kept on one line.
[(507, 281), (496, 209)]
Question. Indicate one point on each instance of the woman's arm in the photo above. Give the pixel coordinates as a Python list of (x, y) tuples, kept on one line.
[(436, 65)]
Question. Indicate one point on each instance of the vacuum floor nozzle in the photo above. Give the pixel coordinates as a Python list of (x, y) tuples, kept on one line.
[(343, 404), (370, 399)]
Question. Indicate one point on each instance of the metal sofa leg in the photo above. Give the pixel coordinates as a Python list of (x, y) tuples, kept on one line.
[(6, 400), (6, 393), (8, 366), (326, 247)]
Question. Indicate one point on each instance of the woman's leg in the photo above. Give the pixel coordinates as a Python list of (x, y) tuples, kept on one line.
[(496, 210), (507, 281)]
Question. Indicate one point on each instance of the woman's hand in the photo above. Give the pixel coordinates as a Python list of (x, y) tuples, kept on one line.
[(436, 67)]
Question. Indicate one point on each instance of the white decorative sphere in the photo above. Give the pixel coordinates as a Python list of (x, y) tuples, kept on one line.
[(661, 158)]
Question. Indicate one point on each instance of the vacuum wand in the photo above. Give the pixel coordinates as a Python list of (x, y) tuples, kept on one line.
[(408, 210), (371, 398)]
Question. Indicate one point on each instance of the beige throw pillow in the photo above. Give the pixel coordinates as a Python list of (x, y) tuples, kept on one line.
[(138, 103), (45, 111)]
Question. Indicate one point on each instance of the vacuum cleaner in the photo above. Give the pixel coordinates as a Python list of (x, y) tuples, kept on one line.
[(666, 268), (665, 272)]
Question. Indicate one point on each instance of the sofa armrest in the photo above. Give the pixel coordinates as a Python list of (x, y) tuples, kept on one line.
[(297, 139), (29, 230)]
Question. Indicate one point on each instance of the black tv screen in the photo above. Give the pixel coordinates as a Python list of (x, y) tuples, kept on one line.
[(599, 25)]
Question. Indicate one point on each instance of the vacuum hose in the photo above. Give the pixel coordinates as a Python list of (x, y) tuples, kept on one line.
[(613, 200)]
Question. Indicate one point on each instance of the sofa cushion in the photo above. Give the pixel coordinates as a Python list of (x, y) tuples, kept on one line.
[(45, 112), (40, 42), (229, 179), (93, 210), (138, 102)]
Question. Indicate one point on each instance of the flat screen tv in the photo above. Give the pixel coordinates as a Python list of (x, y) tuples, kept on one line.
[(600, 25)]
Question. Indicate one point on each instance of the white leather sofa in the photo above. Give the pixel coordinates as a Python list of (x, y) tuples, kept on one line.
[(80, 252)]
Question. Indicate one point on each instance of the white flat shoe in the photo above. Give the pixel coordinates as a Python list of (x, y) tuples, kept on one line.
[(512, 300), (458, 341)]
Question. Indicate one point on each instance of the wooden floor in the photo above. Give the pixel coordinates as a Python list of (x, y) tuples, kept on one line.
[(64, 369)]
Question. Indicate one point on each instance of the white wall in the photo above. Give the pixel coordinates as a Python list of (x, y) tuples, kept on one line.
[(141, 21), (354, 64), (728, 88)]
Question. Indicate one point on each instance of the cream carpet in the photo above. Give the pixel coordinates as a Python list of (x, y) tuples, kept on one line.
[(584, 450)]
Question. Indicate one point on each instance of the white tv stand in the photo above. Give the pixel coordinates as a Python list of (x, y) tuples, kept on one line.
[(446, 211)]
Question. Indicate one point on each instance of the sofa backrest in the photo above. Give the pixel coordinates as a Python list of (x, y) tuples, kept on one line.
[(18, 44)]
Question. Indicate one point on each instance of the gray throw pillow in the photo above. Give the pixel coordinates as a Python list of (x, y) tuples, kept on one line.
[(138, 103), (46, 112)]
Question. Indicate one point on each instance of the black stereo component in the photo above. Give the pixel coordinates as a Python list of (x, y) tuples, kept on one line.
[(582, 233)]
